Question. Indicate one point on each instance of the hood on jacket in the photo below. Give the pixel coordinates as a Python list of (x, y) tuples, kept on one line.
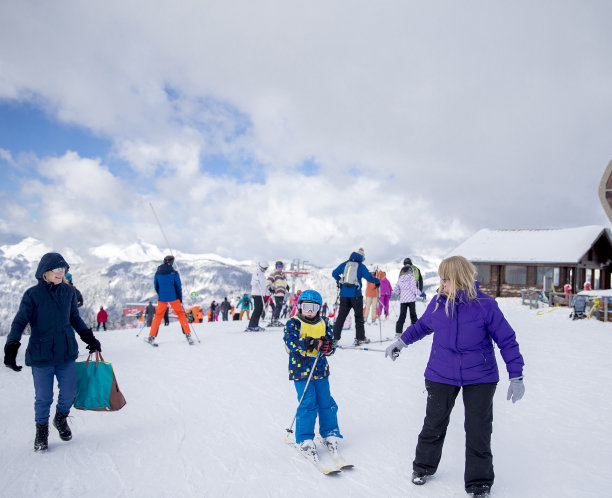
[(50, 261), (355, 256), (165, 269)]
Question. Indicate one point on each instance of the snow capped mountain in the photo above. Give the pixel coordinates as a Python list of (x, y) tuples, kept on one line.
[(125, 275)]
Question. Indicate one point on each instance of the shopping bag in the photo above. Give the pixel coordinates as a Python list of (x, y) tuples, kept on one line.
[(97, 387)]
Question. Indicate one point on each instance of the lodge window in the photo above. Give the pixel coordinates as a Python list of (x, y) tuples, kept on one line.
[(516, 275), (545, 271), (483, 273)]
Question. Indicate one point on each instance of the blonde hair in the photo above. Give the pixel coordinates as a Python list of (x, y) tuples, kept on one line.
[(461, 274)]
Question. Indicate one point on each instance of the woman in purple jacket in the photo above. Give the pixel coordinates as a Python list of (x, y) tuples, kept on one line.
[(465, 322)]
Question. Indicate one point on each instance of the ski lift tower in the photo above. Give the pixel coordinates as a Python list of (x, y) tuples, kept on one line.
[(297, 268)]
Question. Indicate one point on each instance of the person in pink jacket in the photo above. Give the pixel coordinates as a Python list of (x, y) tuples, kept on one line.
[(385, 294)]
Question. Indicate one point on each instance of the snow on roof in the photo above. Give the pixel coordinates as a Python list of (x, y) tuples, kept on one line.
[(563, 245)]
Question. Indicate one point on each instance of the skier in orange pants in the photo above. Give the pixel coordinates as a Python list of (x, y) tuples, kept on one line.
[(168, 287)]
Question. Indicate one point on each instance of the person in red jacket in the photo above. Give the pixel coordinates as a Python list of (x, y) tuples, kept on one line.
[(102, 318)]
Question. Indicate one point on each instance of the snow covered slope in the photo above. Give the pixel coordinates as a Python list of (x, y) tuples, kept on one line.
[(209, 420)]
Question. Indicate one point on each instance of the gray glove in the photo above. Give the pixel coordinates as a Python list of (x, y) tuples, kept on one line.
[(394, 349), (516, 389)]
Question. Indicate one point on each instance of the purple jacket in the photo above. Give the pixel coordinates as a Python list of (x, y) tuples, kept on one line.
[(385, 287), (462, 350)]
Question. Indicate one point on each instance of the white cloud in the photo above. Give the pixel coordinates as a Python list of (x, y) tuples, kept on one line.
[(456, 116)]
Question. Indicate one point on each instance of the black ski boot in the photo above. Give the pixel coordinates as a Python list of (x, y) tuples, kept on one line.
[(60, 423), (483, 491), (419, 478), (41, 442)]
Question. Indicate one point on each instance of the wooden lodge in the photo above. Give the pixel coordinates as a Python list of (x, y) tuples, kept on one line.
[(511, 260)]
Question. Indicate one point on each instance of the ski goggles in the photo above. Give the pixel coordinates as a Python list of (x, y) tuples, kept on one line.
[(309, 307), (61, 269)]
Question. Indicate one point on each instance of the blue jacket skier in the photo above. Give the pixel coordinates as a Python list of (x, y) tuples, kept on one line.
[(348, 275), (308, 339)]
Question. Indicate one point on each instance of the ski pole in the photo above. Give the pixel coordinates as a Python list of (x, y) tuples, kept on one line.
[(361, 348), (290, 430), (177, 268)]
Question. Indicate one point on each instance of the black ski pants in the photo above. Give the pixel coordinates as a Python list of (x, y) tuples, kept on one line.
[(103, 325), (257, 312), (278, 306), (399, 325), (346, 304), (478, 402)]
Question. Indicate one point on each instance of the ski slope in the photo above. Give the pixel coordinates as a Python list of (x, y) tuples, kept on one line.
[(209, 420)]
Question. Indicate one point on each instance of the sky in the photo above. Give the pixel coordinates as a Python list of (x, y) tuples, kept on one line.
[(268, 129)]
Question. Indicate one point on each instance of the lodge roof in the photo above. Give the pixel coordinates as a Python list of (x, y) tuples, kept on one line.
[(555, 245)]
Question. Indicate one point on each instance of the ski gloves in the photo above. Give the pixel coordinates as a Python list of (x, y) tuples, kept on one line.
[(93, 344), (323, 345), (516, 389), (394, 349), (10, 355)]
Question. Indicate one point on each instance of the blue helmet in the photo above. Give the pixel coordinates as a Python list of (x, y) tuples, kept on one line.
[(312, 296)]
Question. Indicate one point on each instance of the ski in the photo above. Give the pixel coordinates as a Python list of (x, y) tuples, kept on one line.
[(339, 461), (383, 340), (314, 460), (151, 343)]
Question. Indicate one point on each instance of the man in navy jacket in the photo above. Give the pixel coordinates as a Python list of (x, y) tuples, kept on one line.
[(349, 275)]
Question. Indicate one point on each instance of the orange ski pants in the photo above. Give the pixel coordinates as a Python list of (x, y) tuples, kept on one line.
[(159, 315)]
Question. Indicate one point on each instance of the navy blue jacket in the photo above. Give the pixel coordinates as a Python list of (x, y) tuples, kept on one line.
[(362, 272), (52, 312), (168, 284)]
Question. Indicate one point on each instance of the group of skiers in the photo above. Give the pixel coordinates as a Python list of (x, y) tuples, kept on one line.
[(464, 321)]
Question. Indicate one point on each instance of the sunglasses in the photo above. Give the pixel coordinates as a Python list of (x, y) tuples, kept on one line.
[(61, 269), (308, 307)]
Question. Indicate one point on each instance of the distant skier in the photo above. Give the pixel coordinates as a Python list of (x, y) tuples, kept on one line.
[(465, 322), (324, 310), (79, 296), (406, 289), (296, 298), (102, 317), (140, 320), (371, 301), (225, 307), (385, 294), (245, 305), (150, 313), (50, 307), (348, 276), (278, 286), (258, 292), (309, 338), (167, 284), (416, 273)]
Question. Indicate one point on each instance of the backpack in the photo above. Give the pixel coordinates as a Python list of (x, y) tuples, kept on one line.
[(349, 274)]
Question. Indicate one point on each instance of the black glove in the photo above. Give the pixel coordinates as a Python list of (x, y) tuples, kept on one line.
[(338, 284), (10, 355), (93, 344), (310, 343), (377, 285)]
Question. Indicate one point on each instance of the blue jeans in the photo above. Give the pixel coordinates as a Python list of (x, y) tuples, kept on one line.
[(318, 400), (43, 388)]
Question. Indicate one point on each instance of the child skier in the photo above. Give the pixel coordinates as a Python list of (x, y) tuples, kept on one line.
[(309, 338)]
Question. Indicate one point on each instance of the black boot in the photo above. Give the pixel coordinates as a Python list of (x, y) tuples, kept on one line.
[(41, 442), (59, 422)]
